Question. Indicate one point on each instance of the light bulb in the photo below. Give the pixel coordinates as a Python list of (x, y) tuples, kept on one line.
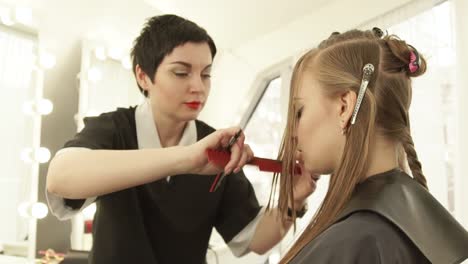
[(89, 211), (24, 15), (39, 210), (33, 210), (94, 74), (47, 60), (44, 106), (127, 62), (100, 53), (42, 155), (41, 107)]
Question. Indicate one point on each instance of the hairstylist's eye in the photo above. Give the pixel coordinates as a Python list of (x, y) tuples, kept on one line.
[(181, 74), (206, 75)]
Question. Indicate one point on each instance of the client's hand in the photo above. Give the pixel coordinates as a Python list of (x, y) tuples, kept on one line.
[(304, 184), (240, 152)]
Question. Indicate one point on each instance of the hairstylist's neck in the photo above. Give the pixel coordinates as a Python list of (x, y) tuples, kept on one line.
[(383, 156), (170, 131)]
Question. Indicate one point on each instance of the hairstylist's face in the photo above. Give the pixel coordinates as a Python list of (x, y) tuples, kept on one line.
[(182, 82), (319, 132)]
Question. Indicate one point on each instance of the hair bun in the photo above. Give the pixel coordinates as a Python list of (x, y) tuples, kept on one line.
[(407, 57), (417, 64)]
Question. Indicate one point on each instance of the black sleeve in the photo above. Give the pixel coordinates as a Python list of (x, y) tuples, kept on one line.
[(98, 133), (239, 206)]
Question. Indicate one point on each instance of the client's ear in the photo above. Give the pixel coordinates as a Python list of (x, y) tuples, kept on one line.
[(346, 104)]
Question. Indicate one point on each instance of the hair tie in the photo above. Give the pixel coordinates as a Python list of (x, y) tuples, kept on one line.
[(414, 61)]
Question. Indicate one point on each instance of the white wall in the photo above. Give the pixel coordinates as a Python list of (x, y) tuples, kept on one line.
[(305, 32), (461, 199), (234, 78)]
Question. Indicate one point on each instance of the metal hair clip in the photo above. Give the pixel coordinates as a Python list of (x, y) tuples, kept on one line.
[(368, 70), (377, 32)]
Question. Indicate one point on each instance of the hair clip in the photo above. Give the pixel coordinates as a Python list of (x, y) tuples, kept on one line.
[(368, 70), (377, 32), (415, 60)]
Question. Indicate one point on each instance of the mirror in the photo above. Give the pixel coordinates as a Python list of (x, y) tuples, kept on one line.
[(21, 78)]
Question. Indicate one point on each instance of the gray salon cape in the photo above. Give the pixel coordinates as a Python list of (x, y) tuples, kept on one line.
[(390, 219)]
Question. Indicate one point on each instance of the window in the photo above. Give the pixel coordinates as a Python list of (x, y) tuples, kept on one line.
[(264, 133), (264, 127), (432, 110)]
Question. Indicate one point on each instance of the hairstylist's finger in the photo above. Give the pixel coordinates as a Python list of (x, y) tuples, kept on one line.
[(241, 140), (228, 134), (242, 161), (247, 155), (220, 138), (236, 154), (249, 151)]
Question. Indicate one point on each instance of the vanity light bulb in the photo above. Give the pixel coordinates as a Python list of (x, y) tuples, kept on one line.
[(42, 155), (39, 210)]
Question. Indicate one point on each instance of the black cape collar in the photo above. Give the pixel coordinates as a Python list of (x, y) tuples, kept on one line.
[(400, 199)]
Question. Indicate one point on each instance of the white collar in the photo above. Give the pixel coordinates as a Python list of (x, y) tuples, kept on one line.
[(147, 134)]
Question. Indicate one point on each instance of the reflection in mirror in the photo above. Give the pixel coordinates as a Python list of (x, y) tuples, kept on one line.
[(106, 82)]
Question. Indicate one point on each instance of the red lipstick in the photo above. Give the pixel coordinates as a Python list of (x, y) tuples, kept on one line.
[(195, 105)]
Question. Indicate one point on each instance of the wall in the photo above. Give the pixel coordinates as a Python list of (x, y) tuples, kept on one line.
[(461, 13), (241, 66)]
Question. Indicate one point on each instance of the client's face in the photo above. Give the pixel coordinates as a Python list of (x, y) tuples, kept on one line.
[(319, 134), (182, 82)]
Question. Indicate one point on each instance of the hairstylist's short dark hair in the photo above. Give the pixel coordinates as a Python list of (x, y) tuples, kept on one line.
[(159, 37)]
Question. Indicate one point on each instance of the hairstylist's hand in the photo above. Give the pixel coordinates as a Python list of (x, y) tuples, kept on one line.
[(240, 152)]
